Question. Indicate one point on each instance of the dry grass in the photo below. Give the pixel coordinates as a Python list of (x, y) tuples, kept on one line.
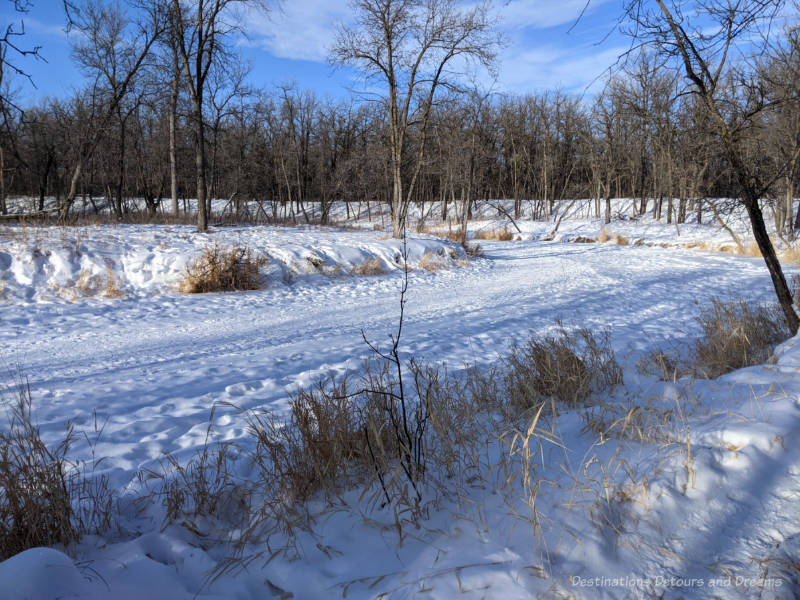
[(221, 270), (791, 255), (204, 487), (370, 267), (45, 499), (432, 261), (332, 440), (473, 250), (567, 367), (454, 236), (35, 501), (752, 250), (736, 334), (606, 235), (497, 234), (666, 365), (112, 285)]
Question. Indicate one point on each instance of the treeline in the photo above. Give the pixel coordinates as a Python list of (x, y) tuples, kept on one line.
[(132, 134)]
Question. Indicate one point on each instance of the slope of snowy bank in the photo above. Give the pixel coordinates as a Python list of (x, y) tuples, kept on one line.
[(711, 500), (50, 264)]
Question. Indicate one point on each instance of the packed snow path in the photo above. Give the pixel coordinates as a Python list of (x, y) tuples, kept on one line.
[(153, 367)]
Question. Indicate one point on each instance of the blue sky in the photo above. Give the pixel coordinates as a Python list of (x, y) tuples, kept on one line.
[(289, 45)]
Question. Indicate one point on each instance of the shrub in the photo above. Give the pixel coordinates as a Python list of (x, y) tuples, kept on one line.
[(45, 499), (203, 487), (432, 261), (331, 440), (621, 240), (567, 367), (501, 235), (473, 250), (736, 334), (371, 266), (221, 270)]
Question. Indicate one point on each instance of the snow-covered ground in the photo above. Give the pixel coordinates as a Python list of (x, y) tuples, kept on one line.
[(51, 264), (710, 512)]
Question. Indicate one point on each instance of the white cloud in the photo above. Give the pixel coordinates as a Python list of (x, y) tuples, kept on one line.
[(549, 67), (540, 14), (302, 30), (306, 29)]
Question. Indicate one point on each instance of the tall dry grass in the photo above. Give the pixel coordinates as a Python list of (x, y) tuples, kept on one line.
[(494, 233), (568, 367), (223, 269), (46, 498), (736, 334)]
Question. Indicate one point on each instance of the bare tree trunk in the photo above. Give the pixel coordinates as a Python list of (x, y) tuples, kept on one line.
[(773, 265), (120, 205), (789, 208), (66, 205), (200, 167), (3, 208), (173, 117), (397, 201)]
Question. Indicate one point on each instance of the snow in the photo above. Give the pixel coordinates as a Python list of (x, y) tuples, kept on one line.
[(719, 500), (51, 264)]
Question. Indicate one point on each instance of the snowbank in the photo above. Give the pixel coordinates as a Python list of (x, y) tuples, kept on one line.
[(50, 264)]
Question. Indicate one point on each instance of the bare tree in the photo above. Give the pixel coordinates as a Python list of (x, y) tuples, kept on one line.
[(11, 50), (201, 28), (410, 46), (114, 49), (701, 35)]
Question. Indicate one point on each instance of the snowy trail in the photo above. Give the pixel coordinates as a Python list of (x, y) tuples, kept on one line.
[(152, 367), (155, 366)]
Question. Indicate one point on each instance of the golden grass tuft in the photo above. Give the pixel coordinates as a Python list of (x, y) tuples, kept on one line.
[(497, 234), (603, 236), (567, 367), (112, 286), (791, 255), (223, 269), (45, 499), (432, 261), (752, 250), (370, 267), (736, 334), (332, 440), (621, 240), (454, 236)]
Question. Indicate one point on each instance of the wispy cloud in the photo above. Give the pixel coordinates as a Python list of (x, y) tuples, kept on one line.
[(540, 14), (38, 27), (299, 30), (549, 67), (533, 60)]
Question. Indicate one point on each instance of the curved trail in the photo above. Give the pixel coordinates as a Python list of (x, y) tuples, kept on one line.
[(153, 367)]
